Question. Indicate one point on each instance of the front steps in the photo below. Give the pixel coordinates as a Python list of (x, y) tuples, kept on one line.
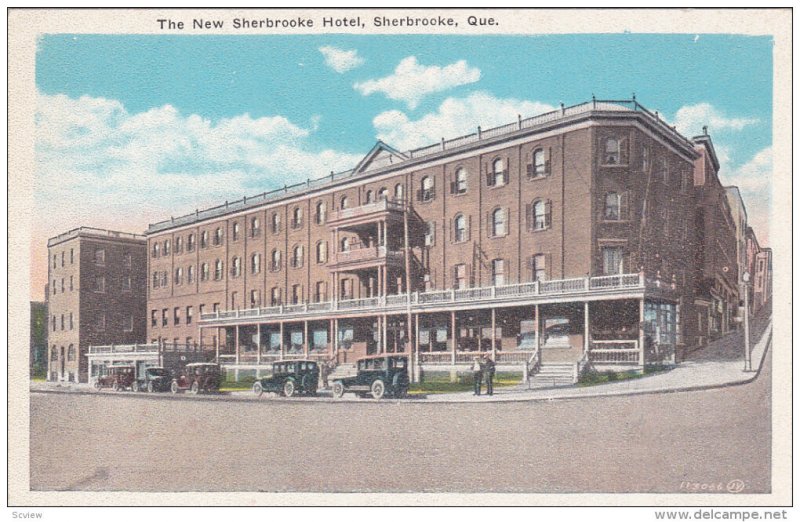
[(553, 374)]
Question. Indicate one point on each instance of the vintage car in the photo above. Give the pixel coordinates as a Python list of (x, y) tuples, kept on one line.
[(377, 376), (155, 379), (290, 378), (118, 378), (197, 377)]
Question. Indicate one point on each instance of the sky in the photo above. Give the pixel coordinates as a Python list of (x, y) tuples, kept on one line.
[(133, 129)]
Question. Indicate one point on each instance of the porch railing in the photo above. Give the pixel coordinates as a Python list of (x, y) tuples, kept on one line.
[(615, 352)]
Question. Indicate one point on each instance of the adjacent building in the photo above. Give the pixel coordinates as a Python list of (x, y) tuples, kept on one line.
[(762, 281), (559, 239), (96, 294), (38, 339)]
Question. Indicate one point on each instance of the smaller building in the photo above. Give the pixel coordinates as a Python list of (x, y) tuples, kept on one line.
[(762, 282), (38, 339), (96, 294)]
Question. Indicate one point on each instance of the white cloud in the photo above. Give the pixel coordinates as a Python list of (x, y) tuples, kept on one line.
[(690, 120), (341, 60), (411, 81), (99, 165), (454, 117), (754, 179)]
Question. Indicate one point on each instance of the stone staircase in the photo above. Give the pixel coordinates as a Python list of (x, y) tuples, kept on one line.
[(553, 374)]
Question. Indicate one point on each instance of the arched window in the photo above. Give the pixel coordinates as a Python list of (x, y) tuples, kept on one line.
[(190, 242), (383, 194), (460, 228), (276, 260), (235, 230), (612, 207), (255, 227), (190, 274), (368, 197), (499, 222), (500, 174), (321, 214), (204, 272), (178, 245), (255, 263), (398, 192), (156, 249), (166, 247), (611, 156), (204, 239), (322, 252), (539, 164), (276, 223), (297, 217), (236, 266), (297, 256), (427, 191), (179, 276), (218, 265), (343, 203), (345, 244), (218, 234)]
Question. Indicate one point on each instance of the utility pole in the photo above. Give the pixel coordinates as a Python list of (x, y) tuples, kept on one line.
[(748, 363)]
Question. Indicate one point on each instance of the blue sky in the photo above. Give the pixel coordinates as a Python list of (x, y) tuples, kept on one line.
[(151, 126)]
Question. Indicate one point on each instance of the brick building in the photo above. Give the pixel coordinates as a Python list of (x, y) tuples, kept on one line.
[(558, 239), (96, 294)]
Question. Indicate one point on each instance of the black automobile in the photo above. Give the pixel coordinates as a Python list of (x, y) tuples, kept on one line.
[(155, 379), (378, 377), (290, 378)]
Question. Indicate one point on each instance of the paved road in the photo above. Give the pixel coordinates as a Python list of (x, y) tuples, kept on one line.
[(646, 443)]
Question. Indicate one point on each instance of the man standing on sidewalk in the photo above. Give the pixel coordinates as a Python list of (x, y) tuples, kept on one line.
[(477, 375), (488, 374)]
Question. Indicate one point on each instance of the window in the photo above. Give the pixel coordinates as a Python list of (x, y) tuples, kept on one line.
[(498, 223), (156, 249), (427, 191), (190, 243), (55, 288), (297, 256), (178, 245), (236, 267), (645, 159), (71, 256), (54, 353), (62, 259), (297, 294), (297, 217), (71, 286), (276, 223), (459, 185), (383, 194), (611, 155), (71, 352), (178, 276), (204, 239), (156, 280), (166, 247), (255, 227), (368, 197), (190, 274), (54, 323), (427, 282), (276, 260), (235, 230), (540, 164), (201, 310), (498, 175), (100, 284), (346, 288), (430, 233), (164, 317), (204, 272), (176, 316), (663, 170), (498, 272), (275, 296), (399, 192), (460, 276), (321, 293), (55, 261), (255, 263), (218, 265), (62, 321), (540, 215), (612, 207), (164, 278), (320, 216), (62, 285), (343, 203), (154, 318), (345, 244), (612, 260), (71, 322), (126, 283), (684, 181), (100, 256), (460, 228), (322, 252), (218, 235)]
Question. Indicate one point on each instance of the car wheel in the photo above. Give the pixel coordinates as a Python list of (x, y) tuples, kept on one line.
[(338, 390), (258, 389), (98, 385), (195, 389), (378, 389), (115, 387), (134, 386), (174, 388), (150, 388), (288, 388)]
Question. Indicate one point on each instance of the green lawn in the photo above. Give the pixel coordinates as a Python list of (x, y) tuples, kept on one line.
[(594, 378), (440, 383)]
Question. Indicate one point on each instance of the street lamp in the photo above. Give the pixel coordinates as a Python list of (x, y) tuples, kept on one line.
[(748, 363)]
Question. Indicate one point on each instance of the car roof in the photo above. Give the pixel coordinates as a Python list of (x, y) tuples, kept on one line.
[(384, 356), (202, 364)]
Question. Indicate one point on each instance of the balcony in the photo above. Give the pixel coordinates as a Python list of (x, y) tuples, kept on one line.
[(366, 213), (366, 257), (622, 286)]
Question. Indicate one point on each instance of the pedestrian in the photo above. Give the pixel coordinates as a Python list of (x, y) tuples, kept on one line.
[(488, 374), (477, 375)]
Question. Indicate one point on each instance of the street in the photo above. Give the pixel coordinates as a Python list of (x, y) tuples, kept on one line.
[(654, 443)]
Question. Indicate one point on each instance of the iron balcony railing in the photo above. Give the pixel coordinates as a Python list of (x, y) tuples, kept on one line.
[(382, 205), (421, 301)]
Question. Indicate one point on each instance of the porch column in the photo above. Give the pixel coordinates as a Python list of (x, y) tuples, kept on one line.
[(330, 337), (494, 329), (336, 338), (258, 344), (384, 339), (415, 355), (641, 333), (383, 280), (305, 338), (453, 336), (586, 327), (536, 331), (216, 344), (236, 342), (282, 350)]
